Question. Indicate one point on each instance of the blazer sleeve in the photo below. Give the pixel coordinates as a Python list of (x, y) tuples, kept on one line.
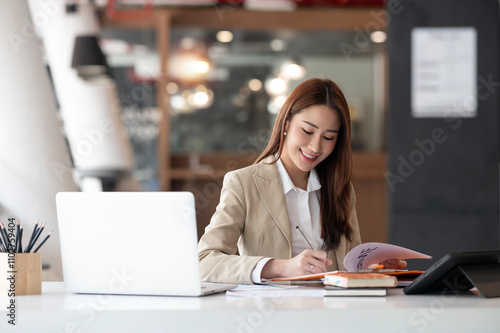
[(217, 249)]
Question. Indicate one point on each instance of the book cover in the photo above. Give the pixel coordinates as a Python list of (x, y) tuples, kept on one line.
[(360, 280)]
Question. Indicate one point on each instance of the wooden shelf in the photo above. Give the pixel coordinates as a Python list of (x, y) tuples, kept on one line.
[(366, 166), (226, 17), (186, 174)]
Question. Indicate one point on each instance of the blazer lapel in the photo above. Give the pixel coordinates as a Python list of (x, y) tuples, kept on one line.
[(268, 183)]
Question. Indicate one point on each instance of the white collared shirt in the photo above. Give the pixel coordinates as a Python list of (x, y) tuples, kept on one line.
[(303, 210)]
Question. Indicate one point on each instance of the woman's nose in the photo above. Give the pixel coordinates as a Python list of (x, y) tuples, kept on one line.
[(315, 144)]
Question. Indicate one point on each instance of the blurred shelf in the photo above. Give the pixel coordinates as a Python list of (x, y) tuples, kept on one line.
[(185, 174), (367, 166)]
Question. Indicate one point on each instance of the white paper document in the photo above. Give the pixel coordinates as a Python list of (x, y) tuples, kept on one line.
[(366, 254), (444, 72)]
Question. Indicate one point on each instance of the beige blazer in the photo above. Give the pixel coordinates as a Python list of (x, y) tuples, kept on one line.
[(250, 223)]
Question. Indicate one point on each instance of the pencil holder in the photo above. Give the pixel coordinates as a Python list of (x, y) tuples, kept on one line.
[(20, 274)]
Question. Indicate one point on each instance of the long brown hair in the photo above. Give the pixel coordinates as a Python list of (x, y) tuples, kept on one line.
[(335, 172)]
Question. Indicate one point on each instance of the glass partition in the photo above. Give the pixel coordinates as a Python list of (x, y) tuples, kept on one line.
[(227, 86)]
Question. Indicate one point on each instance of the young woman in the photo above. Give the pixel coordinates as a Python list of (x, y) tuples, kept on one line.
[(293, 211)]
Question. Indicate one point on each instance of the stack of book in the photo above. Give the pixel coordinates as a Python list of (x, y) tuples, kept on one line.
[(358, 284), (365, 276)]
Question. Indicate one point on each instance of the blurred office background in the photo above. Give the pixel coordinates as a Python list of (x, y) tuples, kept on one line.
[(171, 94)]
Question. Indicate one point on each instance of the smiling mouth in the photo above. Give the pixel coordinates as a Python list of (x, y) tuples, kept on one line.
[(307, 157)]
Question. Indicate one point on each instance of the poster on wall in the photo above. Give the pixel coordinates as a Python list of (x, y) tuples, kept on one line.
[(444, 72)]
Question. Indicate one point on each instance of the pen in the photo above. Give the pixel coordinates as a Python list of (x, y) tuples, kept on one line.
[(308, 243), (298, 228)]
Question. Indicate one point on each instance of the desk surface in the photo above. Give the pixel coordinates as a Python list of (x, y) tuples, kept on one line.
[(57, 311)]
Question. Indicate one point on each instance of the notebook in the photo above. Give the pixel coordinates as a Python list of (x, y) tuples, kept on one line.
[(137, 243)]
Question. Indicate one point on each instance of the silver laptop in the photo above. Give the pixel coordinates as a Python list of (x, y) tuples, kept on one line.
[(140, 243)]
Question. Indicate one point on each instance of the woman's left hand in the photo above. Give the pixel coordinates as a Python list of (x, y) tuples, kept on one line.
[(394, 264)]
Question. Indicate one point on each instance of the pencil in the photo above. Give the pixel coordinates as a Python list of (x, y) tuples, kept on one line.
[(4, 235), (18, 232), (44, 240), (20, 244), (32, 235), (39, 231), (2, 246)]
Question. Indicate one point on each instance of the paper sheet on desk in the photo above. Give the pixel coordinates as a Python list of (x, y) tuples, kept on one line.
[(277, 292), (364, 255), (274, 291), (262, 287)]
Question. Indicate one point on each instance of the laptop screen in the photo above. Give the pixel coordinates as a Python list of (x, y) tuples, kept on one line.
[(129, 242)]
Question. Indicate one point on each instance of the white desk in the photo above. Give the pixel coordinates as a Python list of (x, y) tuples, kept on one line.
[(57, 311)]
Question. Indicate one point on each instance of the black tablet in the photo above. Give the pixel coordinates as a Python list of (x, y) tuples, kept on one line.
[(461, 271)]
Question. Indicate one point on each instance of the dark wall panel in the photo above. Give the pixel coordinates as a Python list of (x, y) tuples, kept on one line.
[(443, 173)]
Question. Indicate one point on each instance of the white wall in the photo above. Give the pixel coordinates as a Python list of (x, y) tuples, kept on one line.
[(33, 156)]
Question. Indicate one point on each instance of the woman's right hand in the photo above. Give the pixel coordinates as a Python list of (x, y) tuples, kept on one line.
[(307, 262)]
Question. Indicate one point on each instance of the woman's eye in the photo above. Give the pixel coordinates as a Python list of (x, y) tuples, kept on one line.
[(308, 133), (327, 138)]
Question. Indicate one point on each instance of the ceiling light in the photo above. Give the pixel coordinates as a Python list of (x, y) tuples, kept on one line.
[(224, 36), (277, 45), (378, 36), (276, 86), (188, 66), (177, 102), (293, 70), (200, 98), (202, 66), (88, 58), (172, 88), (255, 84)]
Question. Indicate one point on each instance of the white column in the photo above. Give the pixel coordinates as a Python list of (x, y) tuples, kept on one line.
[(33, 156), (90, 111)]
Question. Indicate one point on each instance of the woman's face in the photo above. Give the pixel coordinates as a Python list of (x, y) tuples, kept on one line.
[(311, 136)]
